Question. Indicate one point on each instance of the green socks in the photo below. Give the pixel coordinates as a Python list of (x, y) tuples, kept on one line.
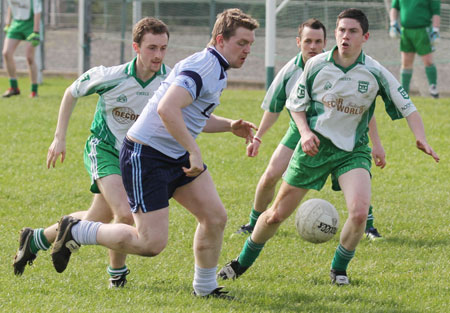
[(254, 217), (34, 88), (341, 258), (431, 72), (39, 242), (249, 253), (13, 83), (117, 271), (406, 75), (369, 222)]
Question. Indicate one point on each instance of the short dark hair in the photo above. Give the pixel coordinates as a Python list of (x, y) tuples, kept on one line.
[(355, 14), (314, 24), (149, 25)]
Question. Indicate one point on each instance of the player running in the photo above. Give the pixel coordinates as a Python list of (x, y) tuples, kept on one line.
[(124, 90), (332, 105), (311, 41), (160, 159)]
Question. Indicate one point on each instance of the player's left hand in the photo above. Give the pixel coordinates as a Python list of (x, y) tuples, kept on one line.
[(6, 28), (34, 39), (379, 156), (243, 129), (425, 147), (434, 35)]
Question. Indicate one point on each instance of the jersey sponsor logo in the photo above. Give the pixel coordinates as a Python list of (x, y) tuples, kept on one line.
[(142, 93), (85, 78), (122, 98), (334, 102), (403, 92), (327, 86), (300, 91), (363, 86), (124, 115), (345, 78)]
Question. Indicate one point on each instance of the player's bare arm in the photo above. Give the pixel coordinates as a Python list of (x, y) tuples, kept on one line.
[(267, 122), (378, 153), (415, 123), (58, 146), (310, 142), (240, 128), (169, 110)]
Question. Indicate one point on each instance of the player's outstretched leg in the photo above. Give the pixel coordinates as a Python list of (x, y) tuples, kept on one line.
[(24, 255), (64, 244)]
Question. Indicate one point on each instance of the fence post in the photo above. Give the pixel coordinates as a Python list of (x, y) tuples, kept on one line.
[(84, 38)]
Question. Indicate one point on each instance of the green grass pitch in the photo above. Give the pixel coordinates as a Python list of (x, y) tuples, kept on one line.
[(408, 271)]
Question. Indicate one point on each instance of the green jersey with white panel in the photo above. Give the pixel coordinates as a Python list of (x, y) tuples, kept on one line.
[(339, 102), (280, 88), (122, 98)]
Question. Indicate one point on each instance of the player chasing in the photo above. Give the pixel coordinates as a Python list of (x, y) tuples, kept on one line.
[(22, 23), (124, 90), (311, 41), (420, 22), (160, 159), (332, 105)]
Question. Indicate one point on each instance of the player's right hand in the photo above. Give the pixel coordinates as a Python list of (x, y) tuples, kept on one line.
[(394, 30), (253, 148), (310, 143), (6, 28), (56, 148)]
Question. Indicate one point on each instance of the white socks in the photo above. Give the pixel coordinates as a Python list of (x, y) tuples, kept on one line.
[(204, 280), (85, 232)]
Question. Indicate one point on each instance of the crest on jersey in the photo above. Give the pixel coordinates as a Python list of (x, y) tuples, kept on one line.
[(328, 85), (363, 86), (403, 92), (85, 77), (122, 98), (301, 91)]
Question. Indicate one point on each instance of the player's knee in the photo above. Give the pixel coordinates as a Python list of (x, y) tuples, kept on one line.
[(270, 179), (358, 216), (274, 217), (124, 218), (30, 60), (7, 55), (153, 246), (218, 220)]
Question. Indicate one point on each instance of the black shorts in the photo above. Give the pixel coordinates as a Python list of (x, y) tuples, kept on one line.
[(151, 177)]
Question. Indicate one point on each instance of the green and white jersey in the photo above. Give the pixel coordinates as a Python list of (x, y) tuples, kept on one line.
[(279, 90), (23, 10), (339, 102), (123, 96)]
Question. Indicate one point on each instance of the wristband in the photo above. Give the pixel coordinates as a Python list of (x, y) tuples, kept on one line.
[(257, 139)]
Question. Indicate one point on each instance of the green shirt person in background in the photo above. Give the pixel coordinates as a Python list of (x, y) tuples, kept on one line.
[(22, 23), (419, 32)]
